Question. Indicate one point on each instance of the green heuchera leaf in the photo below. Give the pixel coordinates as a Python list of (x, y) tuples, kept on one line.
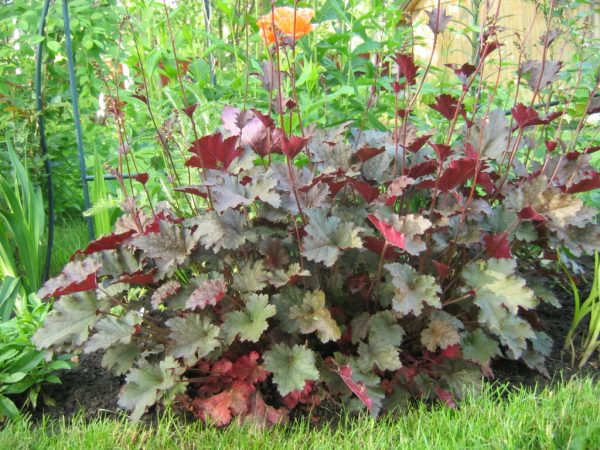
[(461, 382), (111, 330), (169, 248), (216, 232), (514, 333), (230, 193), (252, 321), (384, 329), (281, 277), (412, 290), (291, 367), (442, 331), (115, 263), (499, 294), (535, 355), (119, 358), (287, 298), (360, 327), (193, 337), (495, 283), (327, 236), (312, 315), (148, 383), (479, 347), (251, 278), (385, 357), (69, 323), (385, 336)]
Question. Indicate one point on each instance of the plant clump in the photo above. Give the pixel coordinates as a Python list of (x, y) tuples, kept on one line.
[(361, 267)]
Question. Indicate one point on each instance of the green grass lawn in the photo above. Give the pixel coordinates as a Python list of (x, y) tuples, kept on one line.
[(564, 416)]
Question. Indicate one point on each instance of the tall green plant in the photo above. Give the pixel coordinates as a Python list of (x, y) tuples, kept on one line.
[(100, 199), (590, 309), (22, 221)]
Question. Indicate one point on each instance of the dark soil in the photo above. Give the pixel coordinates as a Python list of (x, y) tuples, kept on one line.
[(556, 323), (91, 390)]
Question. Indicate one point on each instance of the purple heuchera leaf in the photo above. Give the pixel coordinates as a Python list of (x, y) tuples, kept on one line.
[(77, 276), (438, 20)]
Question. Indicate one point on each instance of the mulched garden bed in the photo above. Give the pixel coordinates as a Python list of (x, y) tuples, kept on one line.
[(91, 390)]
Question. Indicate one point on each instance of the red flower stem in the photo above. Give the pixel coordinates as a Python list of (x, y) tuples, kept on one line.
[(201, 173)]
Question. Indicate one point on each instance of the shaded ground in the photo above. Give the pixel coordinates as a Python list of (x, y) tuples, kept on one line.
[(89, 388), (92, 389)]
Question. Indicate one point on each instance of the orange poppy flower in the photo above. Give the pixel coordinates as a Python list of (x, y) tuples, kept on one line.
[(284, 23)]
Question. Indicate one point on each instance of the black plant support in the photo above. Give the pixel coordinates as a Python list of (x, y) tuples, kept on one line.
[(43, 145), (76, 116)]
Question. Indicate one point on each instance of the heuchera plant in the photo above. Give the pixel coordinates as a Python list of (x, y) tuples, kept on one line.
[(361, 267)]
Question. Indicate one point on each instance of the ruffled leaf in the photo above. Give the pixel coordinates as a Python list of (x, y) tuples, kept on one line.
[(327, 237), (192, 337), (412, 291), (313, 316), (251, 322), (291, 367)]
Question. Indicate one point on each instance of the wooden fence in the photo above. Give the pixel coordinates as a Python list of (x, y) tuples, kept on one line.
[(518, 18)]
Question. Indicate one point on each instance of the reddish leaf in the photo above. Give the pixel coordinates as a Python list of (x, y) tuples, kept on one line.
[(497, 245), (194, 190), (458, 171), (407, 67), (246, 368), (451, 352), (366, 153), (289, 146), (526, 116), (141, 177), (221, 367), (417, 143), (359, 389), (442, 269), (240, 395), (164, 78), (584, 185), (488, 47), (77, 276), (484, 179), (138, 278), (422, 169), (377, 246), (368, 192), (445, 396), (265, 119), (209, 292), (551, 146), (443, 151), (189, 110), (303, 396), (107, 242), (87, 284), (528, 213), (389, 233), (215, 409), (447, 106), (463, 72), (141, 97), (212, 152)]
